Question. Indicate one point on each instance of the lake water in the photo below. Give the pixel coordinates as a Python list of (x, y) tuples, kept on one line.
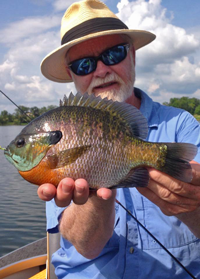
[(22, 213)]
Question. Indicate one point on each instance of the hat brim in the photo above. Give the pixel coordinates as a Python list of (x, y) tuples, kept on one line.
[(53, 65)]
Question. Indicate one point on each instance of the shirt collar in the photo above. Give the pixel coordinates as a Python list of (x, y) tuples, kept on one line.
[(147, 107)]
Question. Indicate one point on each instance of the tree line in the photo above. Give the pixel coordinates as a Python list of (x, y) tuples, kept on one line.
[(22, 115), (191, 105)]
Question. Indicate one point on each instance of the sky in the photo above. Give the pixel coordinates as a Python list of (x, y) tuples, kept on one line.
[(168, 67)]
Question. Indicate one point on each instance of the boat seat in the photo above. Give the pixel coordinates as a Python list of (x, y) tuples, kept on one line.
[(41, 275)]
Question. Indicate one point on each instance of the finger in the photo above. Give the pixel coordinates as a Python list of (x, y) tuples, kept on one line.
[(105, 193), (81, 191), (167, 208), (170, 197), (65, 191), (46, 192), (173, 185)]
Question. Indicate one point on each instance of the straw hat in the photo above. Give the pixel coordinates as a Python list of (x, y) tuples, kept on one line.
[(82, 21)]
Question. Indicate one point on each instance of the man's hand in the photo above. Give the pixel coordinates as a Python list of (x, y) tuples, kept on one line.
[(69, 190), (171, 195), (176, 198)]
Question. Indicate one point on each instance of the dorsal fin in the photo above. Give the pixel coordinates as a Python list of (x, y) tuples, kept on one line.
[(129, 113)]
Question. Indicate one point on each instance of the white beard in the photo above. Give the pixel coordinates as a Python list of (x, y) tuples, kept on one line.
[(120, 95)]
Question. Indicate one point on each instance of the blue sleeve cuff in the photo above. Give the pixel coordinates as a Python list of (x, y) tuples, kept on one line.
[(53, 215)]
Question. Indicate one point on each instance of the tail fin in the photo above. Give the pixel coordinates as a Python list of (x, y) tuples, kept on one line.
[(177, 160)]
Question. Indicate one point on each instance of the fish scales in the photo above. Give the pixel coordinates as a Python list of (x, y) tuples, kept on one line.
[(152, 154), (99, 140), (89, 129)]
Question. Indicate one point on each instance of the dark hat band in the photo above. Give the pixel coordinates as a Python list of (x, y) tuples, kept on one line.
[(92, 26)]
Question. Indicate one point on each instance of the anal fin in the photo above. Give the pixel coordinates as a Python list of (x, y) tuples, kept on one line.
[(137, 177)]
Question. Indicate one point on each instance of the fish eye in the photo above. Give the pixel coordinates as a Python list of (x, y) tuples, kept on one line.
[(20, 142)]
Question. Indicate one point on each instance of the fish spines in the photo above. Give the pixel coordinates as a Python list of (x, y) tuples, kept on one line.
[(125, 112)]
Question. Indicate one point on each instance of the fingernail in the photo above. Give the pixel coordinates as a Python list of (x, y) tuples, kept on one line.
[(47, 195), (104, 198), (79, 189), (66, 188)]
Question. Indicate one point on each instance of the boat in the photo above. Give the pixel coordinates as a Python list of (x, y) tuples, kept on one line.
[(31, 261)]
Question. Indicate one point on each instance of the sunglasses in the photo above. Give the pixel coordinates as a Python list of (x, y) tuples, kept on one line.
[(109, 57)]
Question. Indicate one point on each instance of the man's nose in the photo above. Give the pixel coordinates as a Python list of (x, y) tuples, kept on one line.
[(102, 70)]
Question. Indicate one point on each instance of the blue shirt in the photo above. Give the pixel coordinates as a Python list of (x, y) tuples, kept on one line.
[(131, 253)]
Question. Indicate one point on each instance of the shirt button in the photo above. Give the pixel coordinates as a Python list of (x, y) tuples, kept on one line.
[(131, 250)]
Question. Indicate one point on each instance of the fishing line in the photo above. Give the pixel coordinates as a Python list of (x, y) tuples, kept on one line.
[(174, 258), (15, 105)]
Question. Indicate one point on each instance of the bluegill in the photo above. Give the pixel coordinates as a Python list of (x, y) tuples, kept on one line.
[(96, 139)]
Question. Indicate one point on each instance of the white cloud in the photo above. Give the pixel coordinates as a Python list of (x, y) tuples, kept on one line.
[(6, 67), (168, 67), (27, 28), (32, 50), (20, 75), (163, 65), (153, 87), (61, 5)]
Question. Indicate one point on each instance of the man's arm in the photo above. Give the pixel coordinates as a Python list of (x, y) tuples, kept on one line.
[(176, 198), (89, 226), (88, 221)]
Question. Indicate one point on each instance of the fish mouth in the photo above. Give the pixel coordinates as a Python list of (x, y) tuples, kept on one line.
[(6, 152), (9, 156)]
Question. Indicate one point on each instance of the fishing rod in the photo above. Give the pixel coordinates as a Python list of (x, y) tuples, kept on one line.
[(174, 258), (140, 224), (15, 105)]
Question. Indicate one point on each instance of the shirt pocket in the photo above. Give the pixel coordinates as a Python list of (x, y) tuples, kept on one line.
[(169, 230)]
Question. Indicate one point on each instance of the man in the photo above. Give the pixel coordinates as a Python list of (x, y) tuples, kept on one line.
[(99, 239)]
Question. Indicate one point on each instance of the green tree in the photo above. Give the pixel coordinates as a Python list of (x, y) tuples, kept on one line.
[(20, 115), (5, 117), (23, 114), (166, 104), (34, 112), (193, 103), (197, 110), (45, 109), (189, 104)]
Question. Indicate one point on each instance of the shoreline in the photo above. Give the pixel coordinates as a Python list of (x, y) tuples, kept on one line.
[(196, 116)]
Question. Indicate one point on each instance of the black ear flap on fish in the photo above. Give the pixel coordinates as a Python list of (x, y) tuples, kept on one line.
[(55, 137)]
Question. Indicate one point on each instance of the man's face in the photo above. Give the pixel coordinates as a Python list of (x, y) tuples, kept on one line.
[(114, 82)]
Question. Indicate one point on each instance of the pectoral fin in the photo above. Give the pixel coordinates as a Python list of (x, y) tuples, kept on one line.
[(66, 157)]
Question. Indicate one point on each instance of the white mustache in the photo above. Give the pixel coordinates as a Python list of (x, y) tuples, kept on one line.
[(108, 79)]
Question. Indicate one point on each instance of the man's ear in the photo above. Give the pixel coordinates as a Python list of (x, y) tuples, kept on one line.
[(133, 52), (68, 71)]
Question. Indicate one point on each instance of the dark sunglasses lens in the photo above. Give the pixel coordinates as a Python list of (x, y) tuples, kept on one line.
[(114, 55), (83, 66)]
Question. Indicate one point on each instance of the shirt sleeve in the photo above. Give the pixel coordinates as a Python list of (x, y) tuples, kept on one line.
[(188, 130), (53, 214)]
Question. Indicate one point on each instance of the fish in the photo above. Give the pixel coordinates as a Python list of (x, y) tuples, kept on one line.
[(100, 140)]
